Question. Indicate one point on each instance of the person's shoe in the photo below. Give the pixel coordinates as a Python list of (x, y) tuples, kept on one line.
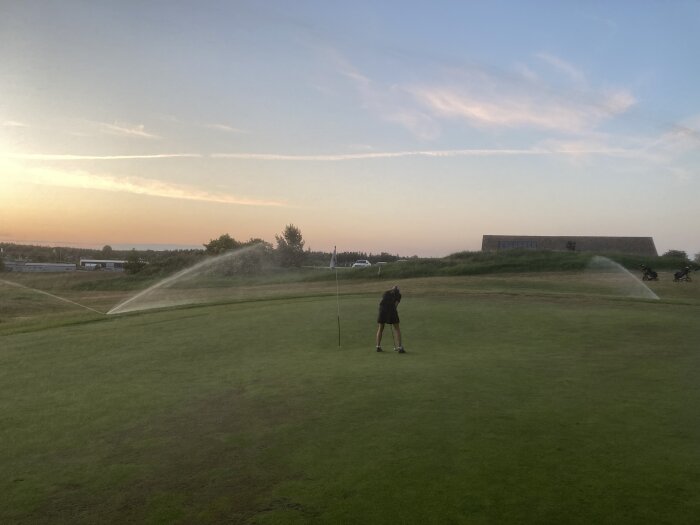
[(400, 350), (379, 349)]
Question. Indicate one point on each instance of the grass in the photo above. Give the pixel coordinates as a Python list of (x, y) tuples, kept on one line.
[(523, 398), (510, 261)]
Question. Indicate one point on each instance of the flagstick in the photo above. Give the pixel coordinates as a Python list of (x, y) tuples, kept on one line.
[(337, 298), (334, 266)]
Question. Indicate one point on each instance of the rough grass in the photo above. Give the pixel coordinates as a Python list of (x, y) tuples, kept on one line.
[(523, 398)]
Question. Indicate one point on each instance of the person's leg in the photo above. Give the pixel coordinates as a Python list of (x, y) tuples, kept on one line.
[(398, 334), (380, 330)]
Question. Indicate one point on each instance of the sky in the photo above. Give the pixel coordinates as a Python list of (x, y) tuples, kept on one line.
[(407, 127)]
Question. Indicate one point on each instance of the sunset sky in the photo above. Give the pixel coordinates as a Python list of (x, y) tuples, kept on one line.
[(407, 127)]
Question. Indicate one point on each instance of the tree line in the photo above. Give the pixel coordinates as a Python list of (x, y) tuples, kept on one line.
[(289, 250)]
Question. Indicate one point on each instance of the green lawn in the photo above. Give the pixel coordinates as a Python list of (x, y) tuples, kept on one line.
[(521, 399)]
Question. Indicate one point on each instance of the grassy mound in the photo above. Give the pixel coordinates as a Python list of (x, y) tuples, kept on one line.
[(510, 261)]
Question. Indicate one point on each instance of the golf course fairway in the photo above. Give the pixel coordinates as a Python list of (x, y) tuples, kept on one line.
[(515, 403)]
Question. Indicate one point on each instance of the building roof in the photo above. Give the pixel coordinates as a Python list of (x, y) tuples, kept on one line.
[(631, 245), (104, 261)]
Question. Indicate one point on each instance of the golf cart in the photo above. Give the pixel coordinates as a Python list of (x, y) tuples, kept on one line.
[(649, 274), (682, 275)]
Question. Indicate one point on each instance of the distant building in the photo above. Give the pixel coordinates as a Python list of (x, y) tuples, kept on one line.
[(642, 246), (102, 264), (22, 266), (13, 266)]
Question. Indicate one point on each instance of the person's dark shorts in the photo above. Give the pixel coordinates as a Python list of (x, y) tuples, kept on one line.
[(388, 316)]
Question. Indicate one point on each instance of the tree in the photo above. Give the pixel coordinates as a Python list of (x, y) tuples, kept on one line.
[(290, 247), (697, 258), (265, 245), (107, 251), (134, 264), (678, 254), (221, 245)]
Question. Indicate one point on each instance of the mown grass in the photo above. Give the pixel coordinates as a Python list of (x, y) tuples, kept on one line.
[(219, 275), (523, 398), (20, 308)]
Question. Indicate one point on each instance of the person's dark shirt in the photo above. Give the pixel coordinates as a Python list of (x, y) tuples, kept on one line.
[(390, 298)]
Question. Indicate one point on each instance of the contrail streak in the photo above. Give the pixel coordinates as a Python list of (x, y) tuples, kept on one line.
[(48, 156), (379, 155), (425, 153)]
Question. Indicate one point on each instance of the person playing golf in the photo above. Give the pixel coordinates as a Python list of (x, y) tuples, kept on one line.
[(388, 314)]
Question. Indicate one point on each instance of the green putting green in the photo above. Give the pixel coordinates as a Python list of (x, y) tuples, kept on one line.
[(519, 400)]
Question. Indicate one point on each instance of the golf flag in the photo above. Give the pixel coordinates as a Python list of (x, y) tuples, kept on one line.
[(334, 260)]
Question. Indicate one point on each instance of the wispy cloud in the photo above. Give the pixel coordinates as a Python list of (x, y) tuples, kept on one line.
[(529, 97), (14, 124), (681, 137), (135, 185), (391, 103), (67, 156), (662, 151), (127, 130), (556, 99), (526, 72), (586, 147), (512, 109), (571, 71), (218, 126), (420, 123), (225, 128)]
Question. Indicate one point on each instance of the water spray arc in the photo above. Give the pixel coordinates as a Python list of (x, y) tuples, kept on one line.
[(145, 299), (623, 281), (51, 295)]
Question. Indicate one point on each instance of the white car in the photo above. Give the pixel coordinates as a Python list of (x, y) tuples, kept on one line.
[(361, 263)]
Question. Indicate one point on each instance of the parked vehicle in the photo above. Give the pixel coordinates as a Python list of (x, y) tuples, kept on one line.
[(683, 275), (361, 263), (649, 274)]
